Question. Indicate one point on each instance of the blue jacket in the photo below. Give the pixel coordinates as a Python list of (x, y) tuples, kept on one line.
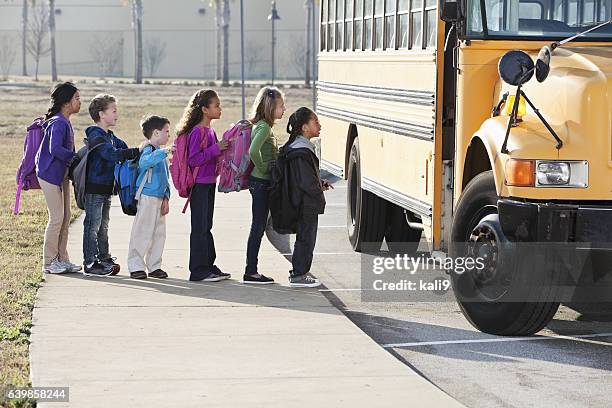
[(159, 185), (101, 162), (56, 151)]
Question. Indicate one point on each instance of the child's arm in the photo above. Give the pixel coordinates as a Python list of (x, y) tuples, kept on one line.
[(109, 153), (260, 133), (150, 157), (58, 132), (198, 156), (307, 179)]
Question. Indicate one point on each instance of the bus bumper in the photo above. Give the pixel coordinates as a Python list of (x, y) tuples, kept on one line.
[(551, 222)]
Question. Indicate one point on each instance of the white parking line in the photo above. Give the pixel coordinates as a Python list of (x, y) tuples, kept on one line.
[(502, 340), (332, 226)]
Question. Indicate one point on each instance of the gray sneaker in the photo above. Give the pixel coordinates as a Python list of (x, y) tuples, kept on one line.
[(304, 281), (55, 268), (70, 267)]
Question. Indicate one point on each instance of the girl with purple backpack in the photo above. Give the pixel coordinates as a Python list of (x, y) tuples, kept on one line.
[(53, 160), (202, 154)]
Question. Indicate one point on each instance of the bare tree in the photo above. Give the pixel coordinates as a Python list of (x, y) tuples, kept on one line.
[(293, 56), (107, 54), (154, 54), (251, 57), (137, 27), (24, 33), (52, 35), (37, 35), (222, 19), (8, 52)]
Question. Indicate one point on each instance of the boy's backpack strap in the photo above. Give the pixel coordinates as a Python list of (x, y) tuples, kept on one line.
[(146, 179)]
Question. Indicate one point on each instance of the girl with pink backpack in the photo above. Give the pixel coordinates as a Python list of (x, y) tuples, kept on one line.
[(269, 107), (203, 150)]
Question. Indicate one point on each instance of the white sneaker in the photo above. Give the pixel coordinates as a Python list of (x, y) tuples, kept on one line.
[(56, 268), (70, 267)]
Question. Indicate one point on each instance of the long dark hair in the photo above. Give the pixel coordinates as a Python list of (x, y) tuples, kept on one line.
[(61, 94), (193, 112), (297, 119)]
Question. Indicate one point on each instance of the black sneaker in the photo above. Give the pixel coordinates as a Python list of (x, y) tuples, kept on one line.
[(97, 269), (110, 263), (138, 275), (304, 281), (218, 272), (258, 279)]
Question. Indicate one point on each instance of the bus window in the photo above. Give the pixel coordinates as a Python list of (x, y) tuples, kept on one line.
[(340, 25), (331, 25), (403, 32), (367, 23), (359, 24), (390, 25), (348, 26), (431, 20), (538, 18), (379, 10), (416, 19), (323, 34), (530, 10)]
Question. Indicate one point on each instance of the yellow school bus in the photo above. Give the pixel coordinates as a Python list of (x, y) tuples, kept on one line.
[(422, 114)]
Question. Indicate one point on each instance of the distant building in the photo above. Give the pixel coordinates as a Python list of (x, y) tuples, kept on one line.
[(95, 37)]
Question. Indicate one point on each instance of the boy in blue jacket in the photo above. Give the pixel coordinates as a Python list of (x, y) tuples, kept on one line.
[(100, 185), (149, 228)]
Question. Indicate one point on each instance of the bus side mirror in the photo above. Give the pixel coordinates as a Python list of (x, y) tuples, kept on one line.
[(448, 11)]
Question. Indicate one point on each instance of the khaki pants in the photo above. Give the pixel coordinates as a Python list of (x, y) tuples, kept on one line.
[(148, 236), (56, 233)]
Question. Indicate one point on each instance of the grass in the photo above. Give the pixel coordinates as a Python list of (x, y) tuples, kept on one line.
[(21, 236)]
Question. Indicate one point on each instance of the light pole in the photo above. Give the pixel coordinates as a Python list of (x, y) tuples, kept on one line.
[(273, 17), (242, 58)]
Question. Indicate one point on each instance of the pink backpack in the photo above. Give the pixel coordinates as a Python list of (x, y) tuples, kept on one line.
[(183, 177), (235, 163), (26, 173)]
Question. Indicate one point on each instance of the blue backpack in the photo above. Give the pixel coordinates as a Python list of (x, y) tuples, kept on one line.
[(126, 175)]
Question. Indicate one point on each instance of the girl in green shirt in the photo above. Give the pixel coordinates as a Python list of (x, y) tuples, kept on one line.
[(269, 106)]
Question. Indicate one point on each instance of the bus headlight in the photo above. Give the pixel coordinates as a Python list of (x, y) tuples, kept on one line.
[(547, 173), (555, 173), (552, 173)]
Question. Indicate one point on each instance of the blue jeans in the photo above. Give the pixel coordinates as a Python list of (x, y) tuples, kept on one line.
[(202, 253), (260, 208), (305, 241), (95, 231)]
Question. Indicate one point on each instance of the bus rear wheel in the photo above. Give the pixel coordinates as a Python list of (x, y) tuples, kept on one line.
[(489, 297), (365, 218)]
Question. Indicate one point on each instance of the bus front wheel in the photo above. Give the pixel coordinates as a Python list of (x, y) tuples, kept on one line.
[(495, 298), (365, 211)]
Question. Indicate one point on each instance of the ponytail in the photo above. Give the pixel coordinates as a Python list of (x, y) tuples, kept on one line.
[(294, 127), (61, 94)]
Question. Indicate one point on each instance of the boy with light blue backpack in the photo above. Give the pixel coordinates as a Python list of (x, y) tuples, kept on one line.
[(148, 235)]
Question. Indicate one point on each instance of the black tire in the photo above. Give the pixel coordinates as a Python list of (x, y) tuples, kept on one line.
[(476, 212), (365, 219), (399, 236)]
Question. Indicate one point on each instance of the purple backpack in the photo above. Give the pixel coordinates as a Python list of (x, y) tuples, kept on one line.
[(26, 174)]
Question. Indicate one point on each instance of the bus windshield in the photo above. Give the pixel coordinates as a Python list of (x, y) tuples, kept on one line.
[(538, 19)]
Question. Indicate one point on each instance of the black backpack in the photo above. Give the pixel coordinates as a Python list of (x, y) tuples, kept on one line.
[(284, 214)]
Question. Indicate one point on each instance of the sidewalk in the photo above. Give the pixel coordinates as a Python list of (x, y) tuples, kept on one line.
[(117, 342)]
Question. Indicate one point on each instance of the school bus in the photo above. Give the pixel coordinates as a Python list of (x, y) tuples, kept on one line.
[(418, 121)]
